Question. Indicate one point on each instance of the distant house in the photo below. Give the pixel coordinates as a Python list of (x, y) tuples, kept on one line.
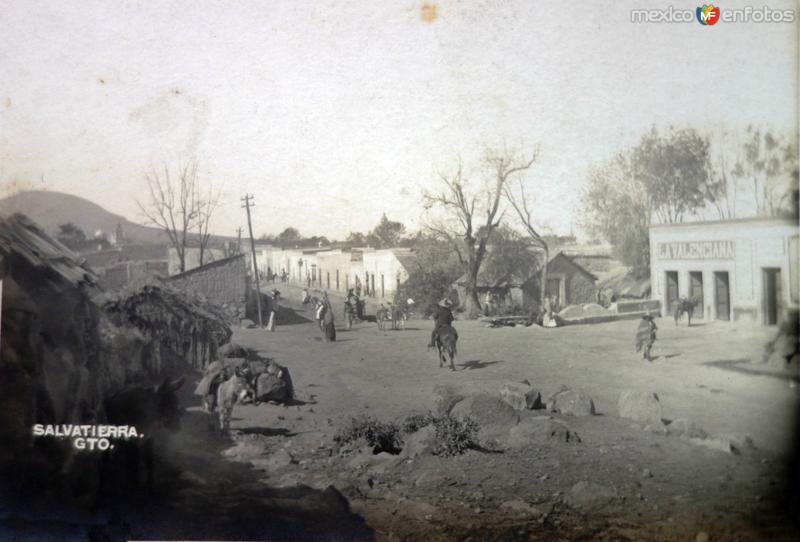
[(117, 267), (568, 283)]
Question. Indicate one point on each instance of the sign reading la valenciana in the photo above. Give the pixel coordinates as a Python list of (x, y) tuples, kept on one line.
[(697, 250)]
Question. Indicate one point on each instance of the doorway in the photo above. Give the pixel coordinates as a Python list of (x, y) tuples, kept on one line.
[(722, 295), (772, 295), (696, 292), (672, 290)]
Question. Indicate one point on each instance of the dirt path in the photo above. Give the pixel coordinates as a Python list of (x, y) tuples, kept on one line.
[(663, 487)]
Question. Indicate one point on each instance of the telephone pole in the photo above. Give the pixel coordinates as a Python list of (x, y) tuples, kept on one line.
[(248, 202)]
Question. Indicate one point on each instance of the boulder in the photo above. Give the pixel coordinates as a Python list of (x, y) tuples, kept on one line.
[(571, 402), (590, 496), (521, 507), (279, 459), (521, 396), (717, 443), (494, 416), (447, 396), (539, 430), (419, 443), (683, 427), (640, 406)]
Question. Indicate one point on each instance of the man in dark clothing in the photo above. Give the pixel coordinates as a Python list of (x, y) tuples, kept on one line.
[(443, 317)]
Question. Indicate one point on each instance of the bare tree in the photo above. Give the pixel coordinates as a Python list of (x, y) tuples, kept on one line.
[(173, 205), (470, 216), (518, 199), (205, 209)]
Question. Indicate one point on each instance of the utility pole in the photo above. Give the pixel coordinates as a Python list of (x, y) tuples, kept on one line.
[(247, 200), (238, 240)]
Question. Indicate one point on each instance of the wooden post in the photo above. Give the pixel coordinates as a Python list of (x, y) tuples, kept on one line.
[(247, 204)]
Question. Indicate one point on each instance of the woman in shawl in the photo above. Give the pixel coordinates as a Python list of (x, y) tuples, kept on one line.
[(646, 335), (327, 320)]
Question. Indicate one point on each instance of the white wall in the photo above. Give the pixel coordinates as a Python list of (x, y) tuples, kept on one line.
[(756, 244)]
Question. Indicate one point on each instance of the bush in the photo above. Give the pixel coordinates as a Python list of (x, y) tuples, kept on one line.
[(382, 436), (416, 422), (454, 437)]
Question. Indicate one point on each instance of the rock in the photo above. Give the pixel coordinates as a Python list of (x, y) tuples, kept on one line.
[(684, 427), (521, 396), (539, 430), (590, 496), (446, 397), (719, 444), (572, 402), (522, 508), (279, 460), (702, 536), (419, 443), (428, 478), (494, 416), (640, 406)]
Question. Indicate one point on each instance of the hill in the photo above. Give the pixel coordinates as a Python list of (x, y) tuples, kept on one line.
[(51, 209)]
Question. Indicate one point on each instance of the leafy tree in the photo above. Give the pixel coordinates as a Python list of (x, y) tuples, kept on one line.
[(769, 162), (71, 236), (387, 233), (356, 239), (674, 170), (431, 279), (289, 236), (664, 178)]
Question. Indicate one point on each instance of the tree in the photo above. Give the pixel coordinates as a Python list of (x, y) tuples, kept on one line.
[(289, 236), (517, 197), (470, 214), (431, 277), (674, 171), (71, 236), (663, 178), (387, 233), (174, 205), (616, 206), (356, 239), (769, 162), (205, 209)]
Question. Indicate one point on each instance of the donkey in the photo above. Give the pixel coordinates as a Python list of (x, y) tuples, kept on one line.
[(446, 339), (381, 315), (683, 305), (233, 390)]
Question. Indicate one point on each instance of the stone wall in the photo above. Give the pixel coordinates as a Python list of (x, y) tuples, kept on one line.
[(222, 282)]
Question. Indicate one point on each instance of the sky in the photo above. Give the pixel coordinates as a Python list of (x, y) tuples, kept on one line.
[(332, 113)]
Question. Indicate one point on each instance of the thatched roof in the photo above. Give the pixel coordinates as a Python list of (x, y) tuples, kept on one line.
[(23, 242)]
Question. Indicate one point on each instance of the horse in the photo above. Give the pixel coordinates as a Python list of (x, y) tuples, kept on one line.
[(233, 390), (381, 315), (446, 339), (399, 317), (683, 305), (152, 410)]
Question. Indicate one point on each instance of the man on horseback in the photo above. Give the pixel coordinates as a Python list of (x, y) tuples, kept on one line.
[(443, 317)]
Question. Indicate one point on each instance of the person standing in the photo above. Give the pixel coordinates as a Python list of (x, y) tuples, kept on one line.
[(328, 320), (646, 336)]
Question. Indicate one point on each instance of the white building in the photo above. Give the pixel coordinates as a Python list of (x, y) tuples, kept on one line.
[(743, 269), (379, 272)]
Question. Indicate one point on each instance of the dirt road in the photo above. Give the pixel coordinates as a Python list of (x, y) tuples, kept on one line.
[(660, 487)]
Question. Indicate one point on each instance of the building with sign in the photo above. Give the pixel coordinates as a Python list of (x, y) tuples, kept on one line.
[(743, 269)]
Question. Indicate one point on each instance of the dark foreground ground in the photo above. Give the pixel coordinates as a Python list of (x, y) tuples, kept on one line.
[(279, 475)]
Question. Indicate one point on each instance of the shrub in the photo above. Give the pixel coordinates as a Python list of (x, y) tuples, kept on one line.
[(382, 436), (415, 422), (454, 437)]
